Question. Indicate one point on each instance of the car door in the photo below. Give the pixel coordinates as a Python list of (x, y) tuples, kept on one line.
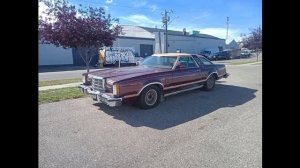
[(188, 73)]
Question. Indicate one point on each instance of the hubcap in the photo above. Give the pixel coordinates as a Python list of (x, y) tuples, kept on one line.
[(210, 82), (151, 97)]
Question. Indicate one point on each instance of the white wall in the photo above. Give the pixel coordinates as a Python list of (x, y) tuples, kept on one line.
[(135, 43), (188, 44), (51, 55)]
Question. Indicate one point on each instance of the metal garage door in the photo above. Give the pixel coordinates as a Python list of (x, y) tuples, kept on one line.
[(146, 50)]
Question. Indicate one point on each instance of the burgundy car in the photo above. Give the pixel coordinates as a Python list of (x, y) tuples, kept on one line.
[(158, 76)]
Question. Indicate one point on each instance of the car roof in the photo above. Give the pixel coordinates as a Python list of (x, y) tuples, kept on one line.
[(172, 54)]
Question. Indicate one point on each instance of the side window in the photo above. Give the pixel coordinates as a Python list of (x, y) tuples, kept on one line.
[(183, 61), (187, 62), (197, 59), (191, 63), (205, 61)]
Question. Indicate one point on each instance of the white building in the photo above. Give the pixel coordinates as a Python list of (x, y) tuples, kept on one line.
[(144, 40)]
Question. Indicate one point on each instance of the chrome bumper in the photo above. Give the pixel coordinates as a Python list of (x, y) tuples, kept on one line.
[(101, 97), (226, 75)]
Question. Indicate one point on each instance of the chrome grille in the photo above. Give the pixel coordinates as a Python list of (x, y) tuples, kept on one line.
[(97, 84)]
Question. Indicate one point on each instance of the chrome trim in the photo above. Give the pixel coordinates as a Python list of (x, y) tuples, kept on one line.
[(150, 84), (175, 63), (211, 74), (132, 95), (185, 84), (102, 97), (96, 77), (190, 83), (185, 90), (195, 61)]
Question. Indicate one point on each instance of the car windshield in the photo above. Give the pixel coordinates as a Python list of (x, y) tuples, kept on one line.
[(160, 61)]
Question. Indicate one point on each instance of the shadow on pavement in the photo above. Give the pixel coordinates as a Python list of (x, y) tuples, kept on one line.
[(181, 108)]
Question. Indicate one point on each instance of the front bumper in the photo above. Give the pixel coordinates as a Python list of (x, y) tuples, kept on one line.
[(106, 98)]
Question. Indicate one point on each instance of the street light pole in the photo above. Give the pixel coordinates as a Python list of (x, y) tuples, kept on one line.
[(227, 27)]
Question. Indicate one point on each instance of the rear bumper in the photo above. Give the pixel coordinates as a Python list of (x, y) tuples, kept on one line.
[(226, 75), (105, 98)]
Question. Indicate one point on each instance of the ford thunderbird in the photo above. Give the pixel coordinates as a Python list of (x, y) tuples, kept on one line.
[(158, 76)]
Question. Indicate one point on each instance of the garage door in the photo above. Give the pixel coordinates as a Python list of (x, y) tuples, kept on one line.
[(146, 50)]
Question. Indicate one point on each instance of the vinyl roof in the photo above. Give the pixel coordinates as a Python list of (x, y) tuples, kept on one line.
[(172, 54)]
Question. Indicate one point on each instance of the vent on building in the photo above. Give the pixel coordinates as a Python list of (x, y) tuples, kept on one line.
[(184, 31)]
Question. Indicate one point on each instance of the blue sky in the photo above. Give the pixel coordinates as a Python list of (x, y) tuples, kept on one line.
[(206, 16)]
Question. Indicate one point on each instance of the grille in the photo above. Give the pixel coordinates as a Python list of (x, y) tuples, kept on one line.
[(97, 85)]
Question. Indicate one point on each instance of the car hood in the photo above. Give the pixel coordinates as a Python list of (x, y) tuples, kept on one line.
[(119, 74)]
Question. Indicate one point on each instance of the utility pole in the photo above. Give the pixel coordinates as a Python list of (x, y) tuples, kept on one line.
[(227, 28), (166, 20)]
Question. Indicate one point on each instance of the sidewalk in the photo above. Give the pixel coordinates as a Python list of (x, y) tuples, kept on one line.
[(59, 68), (59, 86)]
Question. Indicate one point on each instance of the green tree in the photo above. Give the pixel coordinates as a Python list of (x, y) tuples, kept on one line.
[(85, 29), (254, 40)]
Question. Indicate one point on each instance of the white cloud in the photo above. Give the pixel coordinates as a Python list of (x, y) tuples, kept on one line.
[(139, 3), (109, 1), (221, 33), (153, 7), (141, 20), (42, 8), (42, 14)]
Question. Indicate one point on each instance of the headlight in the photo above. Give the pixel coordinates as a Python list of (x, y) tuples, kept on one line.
[(116, 89), (110, 82)]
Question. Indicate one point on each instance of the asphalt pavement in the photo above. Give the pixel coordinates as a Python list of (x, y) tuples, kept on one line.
[(220, 128)]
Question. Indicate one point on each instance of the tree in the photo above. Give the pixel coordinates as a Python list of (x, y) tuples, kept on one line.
[(84, 29), (254, 40)]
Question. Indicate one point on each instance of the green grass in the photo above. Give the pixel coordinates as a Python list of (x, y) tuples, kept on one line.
[(245, 62), (55, 95), (59, 82)]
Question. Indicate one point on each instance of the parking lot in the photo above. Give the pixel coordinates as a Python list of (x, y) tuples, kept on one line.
[(221, 128)]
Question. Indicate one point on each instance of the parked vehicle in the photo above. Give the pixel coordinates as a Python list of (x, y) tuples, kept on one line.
[(114, 55), (223, 55), (209, 53), (245, 53), (158, 76)]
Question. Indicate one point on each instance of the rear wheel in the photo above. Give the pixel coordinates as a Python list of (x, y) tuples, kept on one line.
[(210, 83), (150, 97)]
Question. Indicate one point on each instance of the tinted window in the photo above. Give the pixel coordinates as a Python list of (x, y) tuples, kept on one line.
[(205, 61), (188, 62), (160, 61), (197, 59)]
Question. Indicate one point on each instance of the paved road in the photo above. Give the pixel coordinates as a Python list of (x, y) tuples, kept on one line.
[(61, 75), (43, 76), (221, 128)]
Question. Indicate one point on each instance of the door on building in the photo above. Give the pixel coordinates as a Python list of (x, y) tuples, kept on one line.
[(146, 50)]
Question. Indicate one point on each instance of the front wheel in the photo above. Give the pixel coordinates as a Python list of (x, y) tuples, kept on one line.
[(150, 97), (210, 83)]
